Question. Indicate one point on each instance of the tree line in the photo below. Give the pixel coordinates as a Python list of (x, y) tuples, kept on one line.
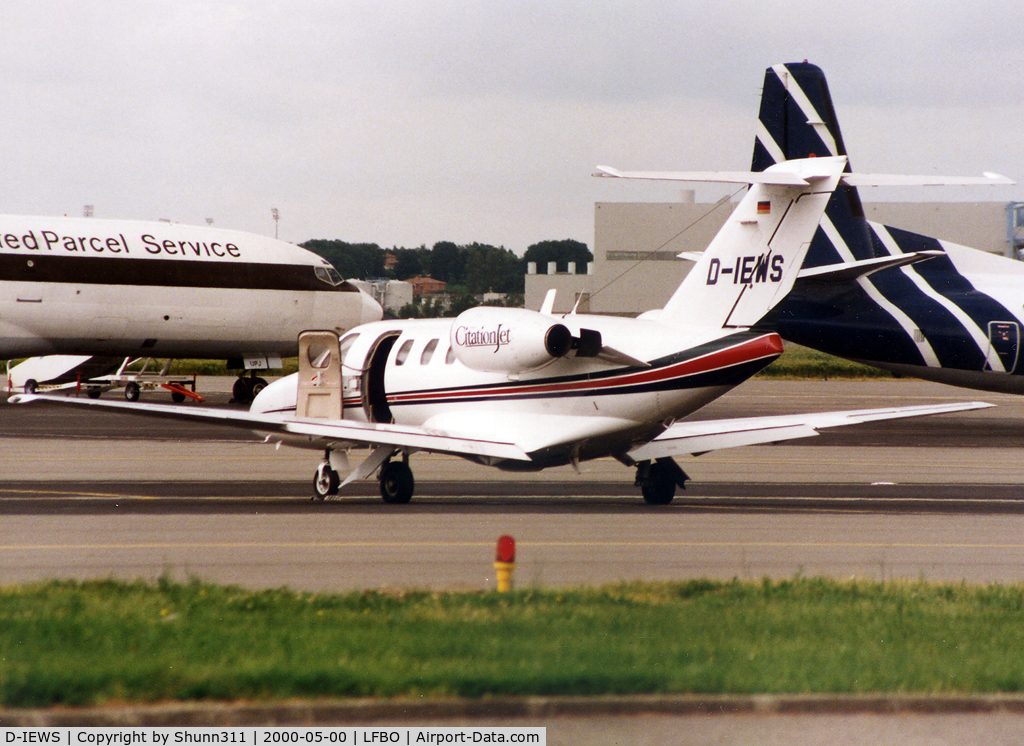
[(471, 269)]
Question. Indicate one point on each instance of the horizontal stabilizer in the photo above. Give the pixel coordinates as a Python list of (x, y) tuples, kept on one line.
[(848, 271), (988, 179), (685, 438), (778, 175), (775, 177)]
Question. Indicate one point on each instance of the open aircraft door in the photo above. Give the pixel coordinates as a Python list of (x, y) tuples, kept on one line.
[(319, 394)]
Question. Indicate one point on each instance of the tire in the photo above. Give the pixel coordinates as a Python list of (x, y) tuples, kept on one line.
[(660, 486), (177, 397), (31, 386), (132, 391), (241, 391), (325, 482), (396, 483)]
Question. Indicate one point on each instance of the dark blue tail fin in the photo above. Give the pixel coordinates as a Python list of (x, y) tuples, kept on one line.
[(797, 120), (927, 317)]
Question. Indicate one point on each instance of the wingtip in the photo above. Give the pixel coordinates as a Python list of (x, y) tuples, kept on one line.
[(995, 178)]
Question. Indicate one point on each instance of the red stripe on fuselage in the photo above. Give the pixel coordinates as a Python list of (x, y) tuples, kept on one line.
[(755, 349)]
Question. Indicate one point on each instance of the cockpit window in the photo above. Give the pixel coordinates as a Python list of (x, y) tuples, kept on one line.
[(450, 357), (403, 352), (328, 274)]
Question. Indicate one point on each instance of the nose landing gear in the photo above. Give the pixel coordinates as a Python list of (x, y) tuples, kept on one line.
[(326, 481)]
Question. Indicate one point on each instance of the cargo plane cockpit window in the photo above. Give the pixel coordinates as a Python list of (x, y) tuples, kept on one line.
[(329, 275)]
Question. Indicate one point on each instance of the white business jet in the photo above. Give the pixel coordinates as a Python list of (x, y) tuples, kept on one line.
[(526, 390), (118, 288)]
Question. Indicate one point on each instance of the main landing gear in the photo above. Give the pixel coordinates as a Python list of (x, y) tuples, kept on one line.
[(246, 388), (658, 480), (396, 481)]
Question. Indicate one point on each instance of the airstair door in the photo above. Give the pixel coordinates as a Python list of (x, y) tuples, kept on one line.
[(319, 393), (1003, 339)]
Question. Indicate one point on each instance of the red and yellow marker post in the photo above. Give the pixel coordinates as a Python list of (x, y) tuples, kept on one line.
[(505, 563)]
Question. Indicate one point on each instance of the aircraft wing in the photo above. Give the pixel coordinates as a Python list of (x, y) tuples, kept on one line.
[(468, 434), (686, 438), (327, 431)]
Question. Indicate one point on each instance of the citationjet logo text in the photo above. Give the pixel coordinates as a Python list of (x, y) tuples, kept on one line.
[(483, 337)]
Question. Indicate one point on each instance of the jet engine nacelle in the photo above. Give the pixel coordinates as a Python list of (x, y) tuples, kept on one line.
[(508, 340)]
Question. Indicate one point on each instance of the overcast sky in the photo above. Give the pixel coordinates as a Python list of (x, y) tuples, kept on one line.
[(407, 123)]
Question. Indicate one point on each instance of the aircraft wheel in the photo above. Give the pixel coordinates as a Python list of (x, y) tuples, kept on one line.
[(396, 483), (132, 391), (241, 391), (660, 485), (93, 393), (325, 482), (258, 384), (31, 386), (177, 397)]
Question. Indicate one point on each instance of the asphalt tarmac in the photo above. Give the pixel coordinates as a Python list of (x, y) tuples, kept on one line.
[(96, 496), (89, 495)]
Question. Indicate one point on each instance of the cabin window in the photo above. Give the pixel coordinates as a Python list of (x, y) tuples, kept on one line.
[(450, 357), (329, 275), (428, 352), (403, 352), (346, 344)]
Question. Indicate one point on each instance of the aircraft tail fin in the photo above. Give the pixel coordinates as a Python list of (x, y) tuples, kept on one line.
[(751, 264), (797, 120)]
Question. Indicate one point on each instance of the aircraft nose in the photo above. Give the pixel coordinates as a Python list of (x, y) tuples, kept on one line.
[(371, 310)]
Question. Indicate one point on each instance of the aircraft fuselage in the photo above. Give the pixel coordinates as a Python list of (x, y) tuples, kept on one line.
[(955, 319), (132, 288), (410, 373)]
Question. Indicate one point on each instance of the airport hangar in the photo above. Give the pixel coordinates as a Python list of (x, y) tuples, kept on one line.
[(636, 267)]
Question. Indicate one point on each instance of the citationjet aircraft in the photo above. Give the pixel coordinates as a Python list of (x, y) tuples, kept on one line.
[(524, 390), (953, 317), (121, 288)]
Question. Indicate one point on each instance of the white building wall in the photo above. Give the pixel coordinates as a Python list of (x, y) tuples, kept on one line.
[(635, 246)]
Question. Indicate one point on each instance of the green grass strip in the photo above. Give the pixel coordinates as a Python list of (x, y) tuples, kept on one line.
[(95, 642), (803, 363)]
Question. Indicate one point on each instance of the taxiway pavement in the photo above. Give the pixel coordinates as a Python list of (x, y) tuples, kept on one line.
[(89, 495)]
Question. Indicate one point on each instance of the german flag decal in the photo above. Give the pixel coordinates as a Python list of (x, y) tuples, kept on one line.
[(764, 207)]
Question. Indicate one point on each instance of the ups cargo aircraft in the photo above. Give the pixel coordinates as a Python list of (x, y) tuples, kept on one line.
[(954, 317), (119, 288), (524, 390)]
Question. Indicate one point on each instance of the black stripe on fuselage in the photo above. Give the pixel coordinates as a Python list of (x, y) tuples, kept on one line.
[(88, 270), (561, 387)]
